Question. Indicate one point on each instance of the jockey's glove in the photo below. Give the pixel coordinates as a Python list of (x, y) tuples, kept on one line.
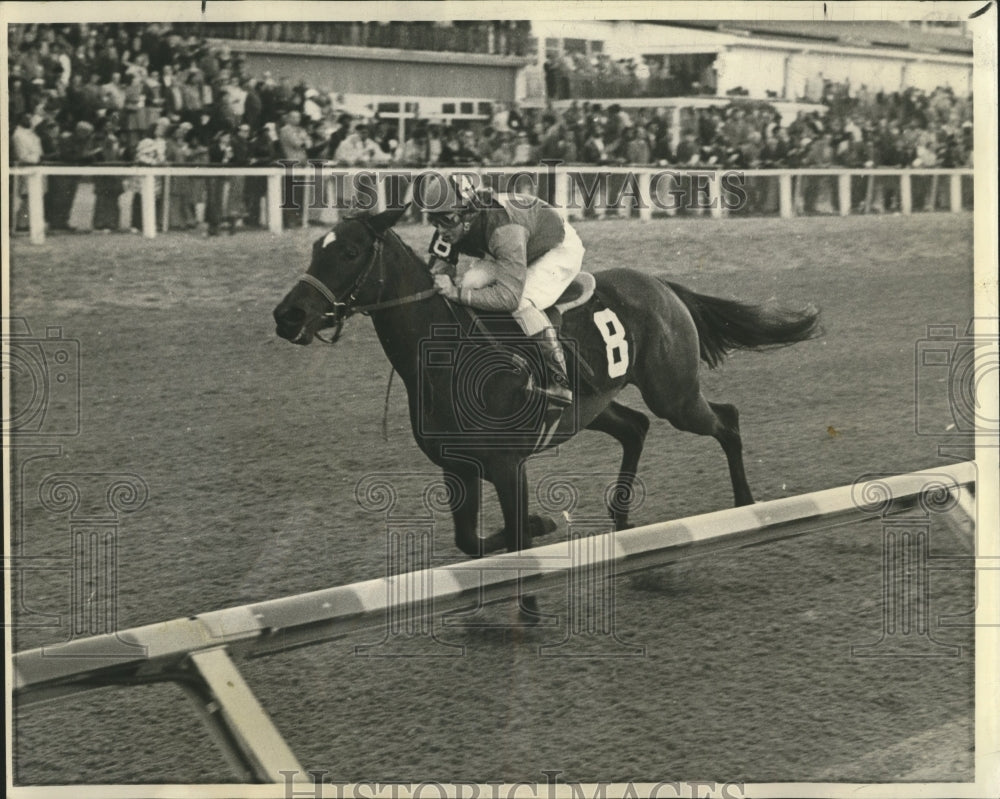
[(445, 286)]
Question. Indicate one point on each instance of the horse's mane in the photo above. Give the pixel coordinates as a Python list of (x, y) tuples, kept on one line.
[(364, 220), (409, 250)]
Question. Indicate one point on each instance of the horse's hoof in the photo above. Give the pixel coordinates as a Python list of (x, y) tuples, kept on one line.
[(528, 610), (541, 525), (494, 543)]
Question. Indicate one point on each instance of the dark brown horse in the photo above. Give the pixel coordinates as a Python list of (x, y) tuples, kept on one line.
[(469, 409)]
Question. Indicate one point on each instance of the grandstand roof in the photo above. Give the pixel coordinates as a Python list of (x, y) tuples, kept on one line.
[(855, 34)]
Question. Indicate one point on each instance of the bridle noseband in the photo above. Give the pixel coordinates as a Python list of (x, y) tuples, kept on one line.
[(342, 309)]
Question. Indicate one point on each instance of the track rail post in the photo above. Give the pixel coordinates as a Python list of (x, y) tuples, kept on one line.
[(250, 742), (645, 196), (955, 194), (274, 220), (905, 193), (786, 201), (148, 194), (561, 193), (36, 207), (844, 194)]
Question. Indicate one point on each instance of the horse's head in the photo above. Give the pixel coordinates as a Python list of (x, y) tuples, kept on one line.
[(346, 274)]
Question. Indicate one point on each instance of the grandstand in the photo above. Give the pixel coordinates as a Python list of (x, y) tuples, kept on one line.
[(685, 94)]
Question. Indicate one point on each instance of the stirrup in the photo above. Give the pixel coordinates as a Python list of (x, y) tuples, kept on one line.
[(555, 395), (559, 396), (554, 407)]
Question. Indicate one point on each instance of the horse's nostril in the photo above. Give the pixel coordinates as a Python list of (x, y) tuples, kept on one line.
[(291, 316)]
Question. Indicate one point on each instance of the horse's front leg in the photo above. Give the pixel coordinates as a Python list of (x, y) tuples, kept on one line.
[(629, 427), (464, 496), (511, 482)]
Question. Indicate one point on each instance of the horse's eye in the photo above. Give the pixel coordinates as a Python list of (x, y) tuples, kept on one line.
[(351, 252)]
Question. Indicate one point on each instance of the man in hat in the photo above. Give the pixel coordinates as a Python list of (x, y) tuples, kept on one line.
[(526, 255), (340, 131), (182, 188), (294, 138), (360, 149), (263, 151), (26, 147), (435, 144)]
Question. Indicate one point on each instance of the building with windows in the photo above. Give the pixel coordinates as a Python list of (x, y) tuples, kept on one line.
[(455, 70), (779, 60)]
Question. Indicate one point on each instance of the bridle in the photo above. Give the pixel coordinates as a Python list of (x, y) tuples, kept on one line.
[(342, 309)]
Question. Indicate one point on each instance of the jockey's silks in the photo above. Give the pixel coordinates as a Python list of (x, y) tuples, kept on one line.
[(509, 236)]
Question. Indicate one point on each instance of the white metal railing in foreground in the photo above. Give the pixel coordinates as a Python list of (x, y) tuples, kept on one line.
[(196, 652), (653, 190)]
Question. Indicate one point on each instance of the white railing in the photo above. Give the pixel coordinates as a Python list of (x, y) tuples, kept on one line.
[(622, 191), (198, 651)]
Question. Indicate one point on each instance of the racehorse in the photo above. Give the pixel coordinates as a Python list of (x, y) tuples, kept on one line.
[(637, 329)]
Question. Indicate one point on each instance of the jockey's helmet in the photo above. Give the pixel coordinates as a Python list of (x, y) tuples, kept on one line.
[(445, 201)]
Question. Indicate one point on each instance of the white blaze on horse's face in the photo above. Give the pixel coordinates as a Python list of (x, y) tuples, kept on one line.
[(330, 238)]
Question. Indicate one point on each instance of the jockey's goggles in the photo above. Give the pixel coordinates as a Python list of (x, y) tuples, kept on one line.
[(450, 219)]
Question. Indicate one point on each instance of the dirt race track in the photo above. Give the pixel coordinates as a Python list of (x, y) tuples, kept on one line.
[(251, 450)]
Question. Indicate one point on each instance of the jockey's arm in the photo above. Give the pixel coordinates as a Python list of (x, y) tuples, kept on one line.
[(507, 266)]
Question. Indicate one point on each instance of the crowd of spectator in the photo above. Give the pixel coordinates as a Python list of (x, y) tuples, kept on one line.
[(576, 75), (157, 94)]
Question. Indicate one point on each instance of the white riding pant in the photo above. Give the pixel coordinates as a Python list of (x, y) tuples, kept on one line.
[(547, 279)]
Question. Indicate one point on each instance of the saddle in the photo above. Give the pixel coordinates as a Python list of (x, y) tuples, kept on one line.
[(497, 328), (576, 293), (501, 333)]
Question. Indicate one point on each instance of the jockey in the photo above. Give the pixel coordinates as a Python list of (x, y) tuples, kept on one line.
[(526, 256)]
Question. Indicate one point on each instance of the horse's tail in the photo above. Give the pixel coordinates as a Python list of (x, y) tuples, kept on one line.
[(726, 325)]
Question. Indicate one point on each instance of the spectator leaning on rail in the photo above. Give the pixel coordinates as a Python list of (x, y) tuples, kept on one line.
[(26, 148), (526, 255), (262, 151), (151, 151)]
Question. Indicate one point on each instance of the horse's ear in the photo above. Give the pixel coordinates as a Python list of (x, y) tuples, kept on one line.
[(385, 220)]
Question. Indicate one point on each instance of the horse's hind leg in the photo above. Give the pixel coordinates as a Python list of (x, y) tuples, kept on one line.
[(629, 428), (728, 435), (464, 494), (719, 420)]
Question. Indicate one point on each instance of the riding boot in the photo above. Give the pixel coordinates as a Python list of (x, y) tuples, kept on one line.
[(557, 389)]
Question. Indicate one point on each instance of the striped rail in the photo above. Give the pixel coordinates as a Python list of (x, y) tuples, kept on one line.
[(197, 652)]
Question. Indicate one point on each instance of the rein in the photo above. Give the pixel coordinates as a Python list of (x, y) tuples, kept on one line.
[(342, 309)]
